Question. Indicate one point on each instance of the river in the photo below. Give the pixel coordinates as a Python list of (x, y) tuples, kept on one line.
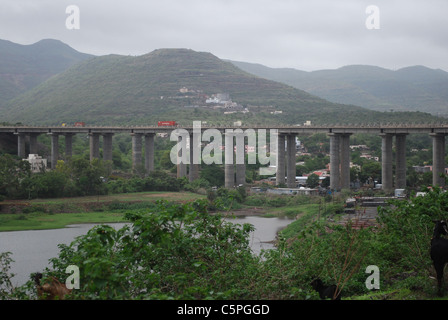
[(31, 250)]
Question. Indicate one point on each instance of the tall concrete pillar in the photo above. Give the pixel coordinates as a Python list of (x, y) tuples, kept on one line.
[(386, 162), (195, 145), (400, 161), (280, 174), (438, 159), (240, 159), (107, 146), (334, 162), (33, 143), (149, 152), (54, 150), (136, 150), (291, 161), (182, 165), (229, 170), (94, 146), (68, 145), (345, 161), (21, 137)]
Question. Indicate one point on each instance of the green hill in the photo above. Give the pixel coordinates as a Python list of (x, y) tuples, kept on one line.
[(414, 88), (174, 84), (23, 67)]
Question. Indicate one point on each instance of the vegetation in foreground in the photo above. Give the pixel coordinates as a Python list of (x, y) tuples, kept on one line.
[(180, 251)]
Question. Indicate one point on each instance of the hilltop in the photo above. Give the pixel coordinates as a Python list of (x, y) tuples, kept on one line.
[(174, 84), (415, 88), (23, 67), (117, 89)]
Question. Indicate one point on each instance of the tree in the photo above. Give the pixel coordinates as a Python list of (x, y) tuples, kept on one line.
[(12, 174), (312, 181), (50, 184), (370, 169), (213, 173), (182, 252), (88, 176), (165, 160)]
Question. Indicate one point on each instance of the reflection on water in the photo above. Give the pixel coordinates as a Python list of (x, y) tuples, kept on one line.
[(265, 230), (31, 250)]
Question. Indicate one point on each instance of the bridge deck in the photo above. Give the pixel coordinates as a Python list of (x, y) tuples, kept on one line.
[(373, 129)]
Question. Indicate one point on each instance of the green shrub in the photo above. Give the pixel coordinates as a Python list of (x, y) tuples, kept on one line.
[(34, 208), (179, 251)]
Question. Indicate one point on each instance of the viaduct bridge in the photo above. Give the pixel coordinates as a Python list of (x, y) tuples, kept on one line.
[(339, 148)]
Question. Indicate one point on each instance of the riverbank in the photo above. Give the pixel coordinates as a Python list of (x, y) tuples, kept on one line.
[(91, 203), (39, 214)]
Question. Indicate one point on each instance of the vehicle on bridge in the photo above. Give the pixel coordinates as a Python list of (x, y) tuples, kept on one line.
[(76, 124), (166, 123)]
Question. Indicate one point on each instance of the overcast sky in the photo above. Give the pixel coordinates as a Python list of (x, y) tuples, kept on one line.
[(306, 35)]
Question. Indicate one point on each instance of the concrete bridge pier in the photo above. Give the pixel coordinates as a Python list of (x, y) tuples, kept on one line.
[(193, 169), (339, 161), (182, 158), (33, 143), (345, 161), (21, 138), (240, 159), (149, 152), (386, 162), (438, 156), (400, 161), (335, 162), (94, 146), (229, 170), (291, 160), (107, 146), (195, 152), (280, 174), (54, 149), (68, 145), (136, 150)]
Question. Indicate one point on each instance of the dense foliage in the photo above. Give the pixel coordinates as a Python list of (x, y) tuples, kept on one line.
[(183, 252), (77, 177), (179, 251)]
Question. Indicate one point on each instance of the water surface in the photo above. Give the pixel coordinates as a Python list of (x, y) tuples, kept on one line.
[(31, 250)]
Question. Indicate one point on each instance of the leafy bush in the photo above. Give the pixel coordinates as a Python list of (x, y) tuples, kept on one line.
[(176, 251), (407, 229), (6, 287), (34, 208), (255, 200)]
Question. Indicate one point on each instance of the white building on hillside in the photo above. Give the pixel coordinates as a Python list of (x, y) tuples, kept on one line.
[(37, 163)]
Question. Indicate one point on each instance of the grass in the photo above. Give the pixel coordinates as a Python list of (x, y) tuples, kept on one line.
[(304, 214), (137, 196), (77, 210), (40, 221)]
